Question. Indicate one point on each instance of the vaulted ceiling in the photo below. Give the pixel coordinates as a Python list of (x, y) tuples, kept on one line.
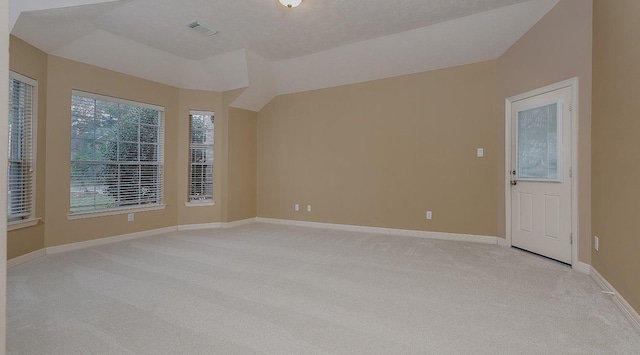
[(268, 48)]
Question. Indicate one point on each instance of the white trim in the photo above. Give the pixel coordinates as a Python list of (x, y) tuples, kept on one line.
[(34, 147), (624, 306), (189, 227), (119, 238), (116, 100), (107, 240), (201, 113), (206, 146), (26, 258), (575, 176), (4, 143), (561, 156), (239, 223), (205, 203), (113, 212), (507, 173), (23, 78), (503, 243), (224, 225), (543, 90), (582, 267), (400, 232), (25, 223), (574, 85), (158, 162)]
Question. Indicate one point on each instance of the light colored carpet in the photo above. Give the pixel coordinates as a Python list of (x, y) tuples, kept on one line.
[(290, 290)]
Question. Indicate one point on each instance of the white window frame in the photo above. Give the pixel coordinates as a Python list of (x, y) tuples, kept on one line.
[(31, 219), (127, 209), (208, 201)]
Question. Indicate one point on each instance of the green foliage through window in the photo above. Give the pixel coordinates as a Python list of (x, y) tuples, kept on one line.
[(116, 154), (20, 162), (201, 151)]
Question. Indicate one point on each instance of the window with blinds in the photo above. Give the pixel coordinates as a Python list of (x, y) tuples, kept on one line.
[(21, 162), (117, 153), (201, 151)]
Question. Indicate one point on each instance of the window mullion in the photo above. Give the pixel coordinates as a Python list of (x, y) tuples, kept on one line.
[(201, 156), (139, 199), (127, 126), (20, 189)]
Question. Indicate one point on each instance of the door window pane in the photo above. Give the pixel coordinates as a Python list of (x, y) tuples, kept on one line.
[(537, 148)]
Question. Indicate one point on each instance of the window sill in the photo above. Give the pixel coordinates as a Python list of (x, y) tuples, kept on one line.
[(200, 203), (11, 226), (83, 215)]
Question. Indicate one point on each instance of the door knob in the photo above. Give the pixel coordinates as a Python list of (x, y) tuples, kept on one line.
[(514, 182)]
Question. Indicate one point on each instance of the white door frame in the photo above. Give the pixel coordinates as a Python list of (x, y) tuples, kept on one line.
[(573, 84)]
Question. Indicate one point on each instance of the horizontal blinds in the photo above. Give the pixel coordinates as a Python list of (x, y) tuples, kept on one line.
[(20, 169), (201, 151), (116, 100), (117, 154)]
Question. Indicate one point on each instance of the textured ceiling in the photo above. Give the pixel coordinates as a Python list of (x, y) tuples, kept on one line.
[(261, 26), (268, 49)]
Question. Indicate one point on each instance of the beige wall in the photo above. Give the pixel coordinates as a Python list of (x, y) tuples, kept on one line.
[(557, 48), (200, 101), (242, 161), (616, 127), (31, 62), (59, 76), (379, 153), (382, 153), (64, 76)]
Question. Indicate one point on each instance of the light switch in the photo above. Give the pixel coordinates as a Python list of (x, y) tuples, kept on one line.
[(480, 152)]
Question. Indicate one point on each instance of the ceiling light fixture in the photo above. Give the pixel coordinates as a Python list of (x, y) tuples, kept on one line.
[(290, 3)]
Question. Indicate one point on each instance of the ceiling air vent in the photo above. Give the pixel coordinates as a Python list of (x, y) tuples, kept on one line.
[(201, 28)]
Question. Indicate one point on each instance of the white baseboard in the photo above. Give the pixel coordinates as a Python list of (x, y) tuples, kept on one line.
[(108, 240), (503, 242), (579, 266), (625, 307), (582, 267), (190, 227), (239, 223), (402, 232), (26, 257)]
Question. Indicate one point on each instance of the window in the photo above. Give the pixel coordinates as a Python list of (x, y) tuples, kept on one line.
[(537, 139), (21, 156), (116, 154), (201, 151)]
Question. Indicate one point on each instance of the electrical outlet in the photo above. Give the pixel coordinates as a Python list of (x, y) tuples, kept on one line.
[(596, 243), (429, 215), (308, 208), (296, 207), (130, 217)]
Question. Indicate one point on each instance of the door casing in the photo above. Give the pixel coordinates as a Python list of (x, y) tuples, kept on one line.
[(573, 84)]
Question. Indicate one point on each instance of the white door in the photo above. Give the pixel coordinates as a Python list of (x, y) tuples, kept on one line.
[(541, 174)]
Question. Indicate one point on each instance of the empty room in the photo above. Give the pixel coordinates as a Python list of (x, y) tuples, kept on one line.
[(320, 177)]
